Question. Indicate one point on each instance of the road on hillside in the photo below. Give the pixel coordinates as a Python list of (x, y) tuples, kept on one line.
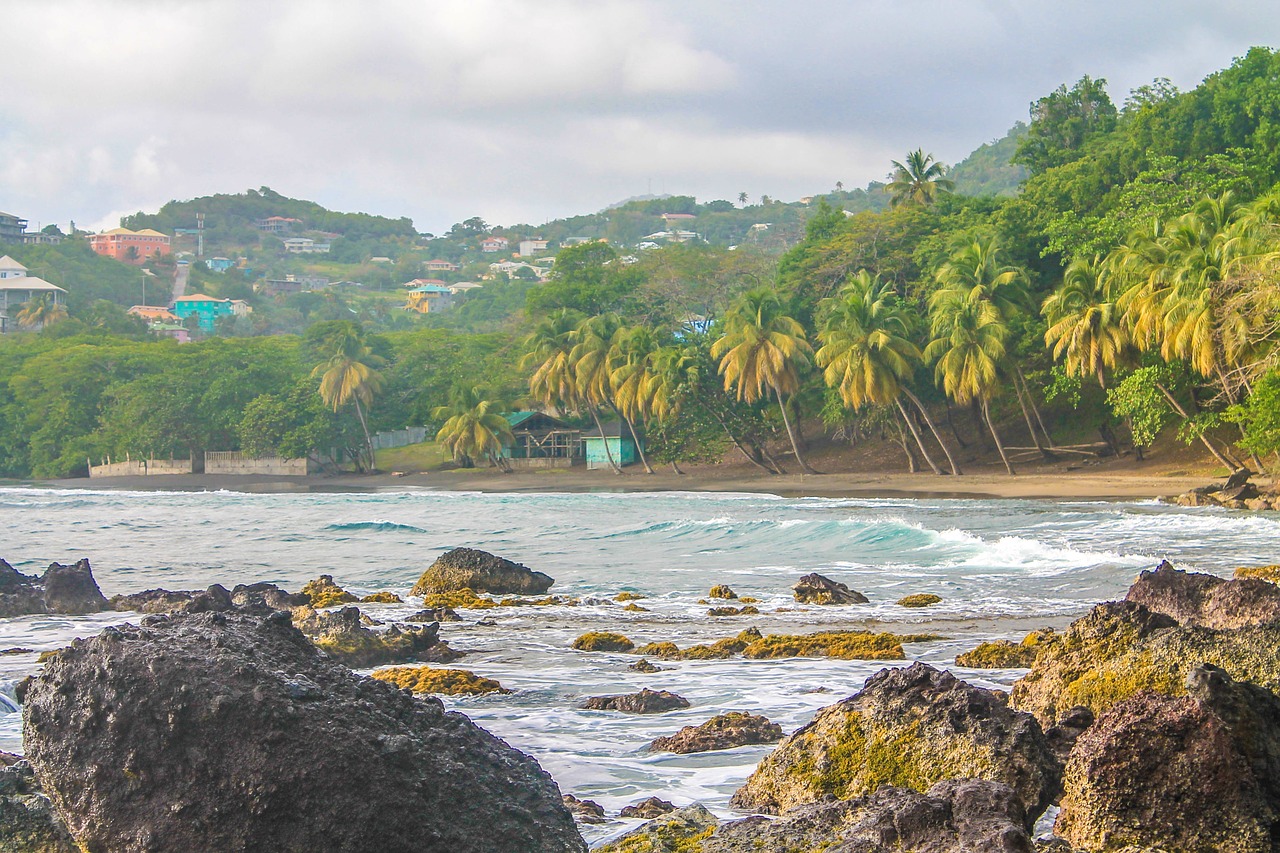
[(180, 275)]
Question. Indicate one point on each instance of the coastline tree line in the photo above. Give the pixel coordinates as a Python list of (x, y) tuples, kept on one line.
[(1132, 284)]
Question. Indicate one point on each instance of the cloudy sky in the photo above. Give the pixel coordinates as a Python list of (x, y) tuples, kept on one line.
[(525, 110)]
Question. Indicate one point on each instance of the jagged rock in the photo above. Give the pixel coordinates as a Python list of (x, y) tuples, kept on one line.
[(909, 727), (647, 809), (676, 832), (645, 702), (1198, 772), (267, 597), (226, 731), (955, 816), (1122, 648), (323, 592), (443, 682), (65, 590), (1003, 654), (215, 598), (724, 731), (1196, 599), (1238, 478), (27, 821), (1062, 737), (816, 589), (603, 641), (584, 811), (341, 635), (435, 614), (644, 665), (20, 594), (382, 598), (480, 571), (722, 591)]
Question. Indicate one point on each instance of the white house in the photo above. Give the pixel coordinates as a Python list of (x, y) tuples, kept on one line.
[(17, 288)]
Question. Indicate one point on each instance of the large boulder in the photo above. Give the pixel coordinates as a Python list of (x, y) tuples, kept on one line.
[(67, 590), (1199, 600), (724, 731), (816, 589), (27, 821), (215, 598), (20, 594), (1197, 772), (645, 702), (228, 731), (266, 597), (1122, 648), (674, 832), (910, 728), (480, 571), (342, 635)]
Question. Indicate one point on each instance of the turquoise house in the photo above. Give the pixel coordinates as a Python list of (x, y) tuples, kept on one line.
[(619, 442), (206, 309)]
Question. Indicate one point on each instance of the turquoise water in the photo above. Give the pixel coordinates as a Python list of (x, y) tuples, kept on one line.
[(1001, 567)]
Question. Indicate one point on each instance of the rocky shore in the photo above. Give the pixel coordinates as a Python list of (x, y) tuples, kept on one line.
[(232, 719)]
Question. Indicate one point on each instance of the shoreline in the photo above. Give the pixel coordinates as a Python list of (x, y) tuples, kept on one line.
[(1056, 486)]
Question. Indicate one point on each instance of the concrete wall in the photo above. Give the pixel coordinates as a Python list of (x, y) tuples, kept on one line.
[(399, 438), (547, 462), (141, 468), (623, 450), (234, 462)]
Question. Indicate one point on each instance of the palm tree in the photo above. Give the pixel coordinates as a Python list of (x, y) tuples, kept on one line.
[(547, 349), (348, 375), (589, 359), (631, 378), (40, 311), (976, 271), (763, 349), (918, 181), (968, 345), (473, 428), (1086, 328), (867, 355), (742, 199)]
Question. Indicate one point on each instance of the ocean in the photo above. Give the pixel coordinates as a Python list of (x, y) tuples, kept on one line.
[(1002, 568)]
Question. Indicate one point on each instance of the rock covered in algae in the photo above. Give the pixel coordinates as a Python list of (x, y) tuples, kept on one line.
[(719, 650), (603, 641), (679, 831), (342, 635), (1271, 574), (382, 598), (28, 823), (1199, 600), (445, 682), (1199, 772), (480, 571), (724, 731), (323, 592), (721, 591), (628, 596), (845, 645), (231, 732), (748, 610), (1004, 654), (647, 809), (1121, 648), (910, 728), (816, 589), (645, 702), (920, 599)]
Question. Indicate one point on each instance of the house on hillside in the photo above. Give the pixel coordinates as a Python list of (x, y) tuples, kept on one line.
[(304, 246), (620, 445), (131, 247), (11, 228), (489, 245), (290, 284), (153, 313), (542, 441), (427, 298), (207, 309), (463, 287), (677, 218), (219, 264), (440, 266), (17, 287), (276, 224), (532, 247)]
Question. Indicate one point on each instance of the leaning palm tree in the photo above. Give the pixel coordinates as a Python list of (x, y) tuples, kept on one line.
[(589, 360), (349, 375), (631, 378), (762, 349), (919, 181), (968, 345), (1086, 327), (867, 354), (40, 311), (976, 270), (547, 350), (473, 428)]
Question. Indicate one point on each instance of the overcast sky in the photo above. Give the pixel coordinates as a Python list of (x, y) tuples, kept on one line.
[(526, 110)]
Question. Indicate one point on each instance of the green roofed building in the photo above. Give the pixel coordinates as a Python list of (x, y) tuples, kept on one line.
[(542, 441)]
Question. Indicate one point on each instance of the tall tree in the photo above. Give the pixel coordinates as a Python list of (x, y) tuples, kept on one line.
[(1086, 328), (592, 343), (631, 377), (473, 428), (763, 349), (349, 375), (918, 181), (40, 311)]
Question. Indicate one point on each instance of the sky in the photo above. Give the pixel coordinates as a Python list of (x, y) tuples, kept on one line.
[(521, 111)]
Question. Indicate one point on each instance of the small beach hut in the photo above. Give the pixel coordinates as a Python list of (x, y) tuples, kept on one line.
[(542, 441), (620, 445)]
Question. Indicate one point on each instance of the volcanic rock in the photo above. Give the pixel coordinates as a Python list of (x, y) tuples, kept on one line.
[(1196, 599), (27, 821), (1198, 772), (68, 590), (668, 833), (267, 597), (647, 809), (645, 702), (1062, 737), (584, 811), (323, 592), (480, 571), (644, 665), (435, 614), (721, 732), (215, 598), (20, 594), (816, 589), (341, 635), (225, 731), (910, 727)]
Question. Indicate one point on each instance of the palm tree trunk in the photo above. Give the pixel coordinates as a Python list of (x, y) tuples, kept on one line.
[(955, 469), (368, 440), (951, 423), (753, 459), (595, 416), (639, 447), (676, 468), (791, 434), (915, 433), (912, 465), (975, 412), (1026, 415), (1034, 408), (986, 413), (1177, 407)]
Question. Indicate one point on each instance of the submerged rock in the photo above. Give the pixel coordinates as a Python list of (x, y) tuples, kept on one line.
[(1199, 772), (341, 635), (909, 727), (65, 590), (27, 820), (846, 645), (816, 589), (719, 650), (438, 614), (920, 599), (230, 732), (645, 702), (724, 731), (1199, 600), (644, 665), (382, 598), (480, 571), (647, 809), (749, 610)]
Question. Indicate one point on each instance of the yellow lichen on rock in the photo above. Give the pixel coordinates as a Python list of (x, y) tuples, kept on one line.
[(1266, 573), (603, 641), (323, 592), (445, 682), (924, 599), (1001, 654), (628, 596), (382, 598), (635, 608), (464, 599), (722, 592), (845, 645)]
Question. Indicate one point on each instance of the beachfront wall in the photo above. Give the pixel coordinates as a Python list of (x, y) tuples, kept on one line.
[(235, 462), (141, 468), (539, 463), (623, 450), (399, 438)]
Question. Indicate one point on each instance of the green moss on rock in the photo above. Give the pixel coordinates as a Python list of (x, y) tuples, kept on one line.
[(1002, 654), (628, 596), (323, 592), (445, 682), (382, 598), (1266, 573), (463, 599), (722, 592), (845, 645), (635, 608), (924, 599), (603, 641)]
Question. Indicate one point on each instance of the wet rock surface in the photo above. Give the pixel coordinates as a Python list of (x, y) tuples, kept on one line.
[(231, 732), (647, 809), (323, 592), (1197, 772), (342, 635), (27, 820), (676, 832), (480, 571), (584, 811), (215, 598), (266, 597), (645, 702), (816, 589), (909, 727), (724, 731), (66, 590), (1200, 600)]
